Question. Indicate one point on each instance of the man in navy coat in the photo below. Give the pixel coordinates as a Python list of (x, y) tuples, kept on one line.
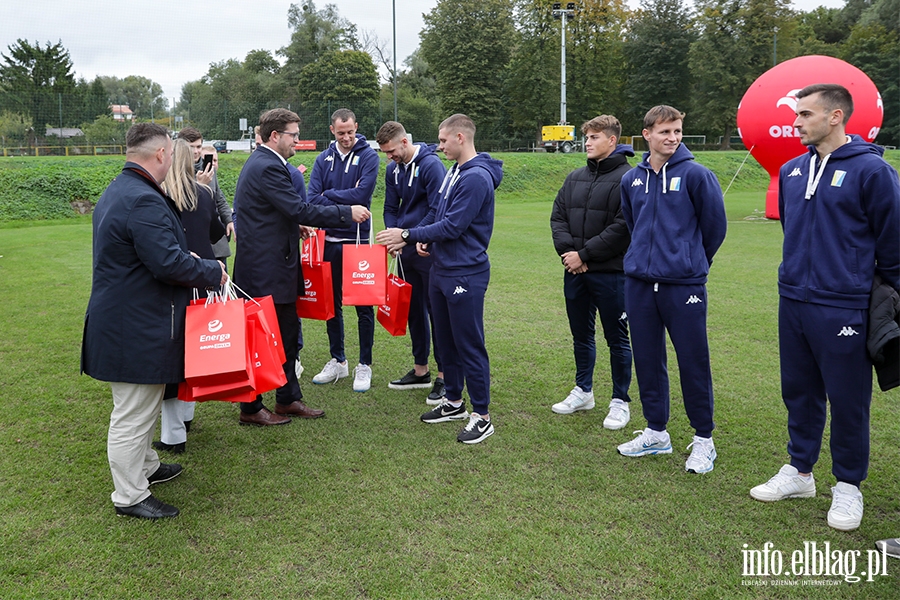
[(270, 215), (134, 325)]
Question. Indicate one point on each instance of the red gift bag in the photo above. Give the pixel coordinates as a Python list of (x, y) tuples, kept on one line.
[(268, 370), (267, 306), (394, 313), (364, 274), (318, 300), (185, 392), (313, 247), (215, 343)]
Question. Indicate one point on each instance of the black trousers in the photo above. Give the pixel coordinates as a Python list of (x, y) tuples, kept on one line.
[(289, 392)]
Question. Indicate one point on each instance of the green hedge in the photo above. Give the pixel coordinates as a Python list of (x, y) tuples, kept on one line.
[(41, 188)]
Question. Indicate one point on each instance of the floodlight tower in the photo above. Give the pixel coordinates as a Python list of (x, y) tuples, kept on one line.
[(563, 14)]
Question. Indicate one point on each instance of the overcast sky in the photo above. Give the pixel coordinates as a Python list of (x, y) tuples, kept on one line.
[(173, 42)]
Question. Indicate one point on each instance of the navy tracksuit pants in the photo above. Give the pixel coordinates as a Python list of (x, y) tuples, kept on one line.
[(416, 270), (654, 308), (824, 358), (457, 303), (587, 294), (365, 315)]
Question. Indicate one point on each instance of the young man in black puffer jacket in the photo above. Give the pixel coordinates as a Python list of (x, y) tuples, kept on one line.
[(591, 237)]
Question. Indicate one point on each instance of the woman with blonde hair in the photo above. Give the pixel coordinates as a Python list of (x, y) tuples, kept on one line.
[(202, 228)]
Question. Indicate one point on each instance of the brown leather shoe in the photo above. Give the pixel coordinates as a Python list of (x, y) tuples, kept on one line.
[(298, 409), (263, 417)]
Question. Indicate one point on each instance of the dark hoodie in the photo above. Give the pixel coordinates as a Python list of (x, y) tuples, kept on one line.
[(587, 213), (412, 188), (460, 229), (348, 182), (676, 218), (838, 233)]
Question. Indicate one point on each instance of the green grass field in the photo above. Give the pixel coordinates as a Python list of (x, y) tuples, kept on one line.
[(371, 503)]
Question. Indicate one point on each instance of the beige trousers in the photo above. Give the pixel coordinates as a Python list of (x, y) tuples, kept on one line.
[(131, 426)]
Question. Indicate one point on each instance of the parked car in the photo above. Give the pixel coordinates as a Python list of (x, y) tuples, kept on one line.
[(219, 145)]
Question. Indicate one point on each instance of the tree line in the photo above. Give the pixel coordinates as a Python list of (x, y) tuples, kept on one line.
[(495, 60)]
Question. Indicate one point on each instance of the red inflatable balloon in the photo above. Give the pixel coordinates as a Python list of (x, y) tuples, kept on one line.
[(766, 115)]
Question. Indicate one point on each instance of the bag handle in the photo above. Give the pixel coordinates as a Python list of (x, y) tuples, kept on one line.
[(314, 236), (395, 263), (234, 287), (358, 236)]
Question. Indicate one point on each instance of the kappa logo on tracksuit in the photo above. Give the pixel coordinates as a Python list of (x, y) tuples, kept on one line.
[(847, 332), (459, 290), (796, 172), (693, 300), (636, 182)]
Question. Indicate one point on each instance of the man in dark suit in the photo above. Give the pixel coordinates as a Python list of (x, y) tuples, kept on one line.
[(270, 216), (142, 275)]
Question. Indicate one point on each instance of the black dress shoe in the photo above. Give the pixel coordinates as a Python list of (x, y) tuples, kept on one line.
[(173, 448), (165, 472), (411, 381), (148, 508)]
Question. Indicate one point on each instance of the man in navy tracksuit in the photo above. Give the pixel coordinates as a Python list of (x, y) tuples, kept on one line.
[(457, 233), (676, 215), (345, 174), (411, 183), (840, 211)]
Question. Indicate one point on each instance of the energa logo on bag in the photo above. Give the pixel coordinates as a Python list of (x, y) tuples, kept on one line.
[(214, 325), (363, 266)]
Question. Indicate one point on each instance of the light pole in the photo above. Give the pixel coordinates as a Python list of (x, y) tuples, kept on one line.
[(775, 48), (394, 10), (563, 14)]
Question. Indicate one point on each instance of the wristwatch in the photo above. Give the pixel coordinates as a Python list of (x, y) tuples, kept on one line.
[(405, 235)]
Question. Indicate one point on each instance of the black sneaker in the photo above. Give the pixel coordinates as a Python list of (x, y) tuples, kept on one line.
[(411, 381), (445, 412), (476, 430), (438, 394), (165, 472)]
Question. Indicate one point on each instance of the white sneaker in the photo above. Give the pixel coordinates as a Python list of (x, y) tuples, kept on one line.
[(576, 400), (331, 372), (702, 456), (298, 368), (786, 484), (846, 507), (362, 378), (619, 415), (647, 442)]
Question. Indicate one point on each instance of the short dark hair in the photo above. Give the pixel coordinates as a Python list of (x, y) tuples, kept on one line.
[(142, 134), (390, 131), (190, 134), (832, 96), (342, 114), (459, 122), (662, 114), (608, 124), (276, 120)]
